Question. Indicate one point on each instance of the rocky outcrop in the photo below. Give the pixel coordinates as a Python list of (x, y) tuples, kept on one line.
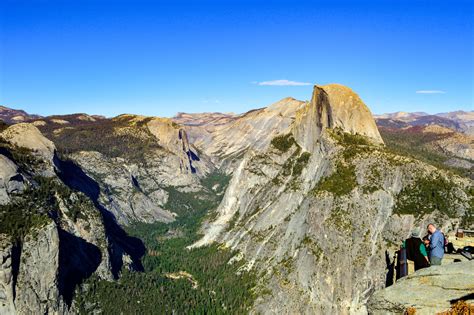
[(311, 120), (28, 136), (428, 291), (175, 140), (226, 138), (134, 190), (11, 182)]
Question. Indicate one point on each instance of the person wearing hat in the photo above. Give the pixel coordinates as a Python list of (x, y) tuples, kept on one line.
[(416, 250)]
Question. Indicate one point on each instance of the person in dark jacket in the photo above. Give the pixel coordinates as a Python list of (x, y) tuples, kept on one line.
[(426, 241), (416, 250)]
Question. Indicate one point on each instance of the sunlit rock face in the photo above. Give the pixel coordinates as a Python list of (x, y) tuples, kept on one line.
[(27, 136), (313, 212), (226, 137), (308, 124)]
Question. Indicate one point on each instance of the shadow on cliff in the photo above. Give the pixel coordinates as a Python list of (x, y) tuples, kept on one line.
[(78, 260), (119, 242), (16, 258)]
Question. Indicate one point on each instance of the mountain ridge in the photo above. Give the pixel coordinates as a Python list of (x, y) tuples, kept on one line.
[(275, 191)]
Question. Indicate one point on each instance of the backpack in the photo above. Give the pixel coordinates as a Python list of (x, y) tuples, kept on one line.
[(445, 239)]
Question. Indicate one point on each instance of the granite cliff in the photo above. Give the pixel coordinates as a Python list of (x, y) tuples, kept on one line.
[(314, 201), (51, 236), (314, 209)]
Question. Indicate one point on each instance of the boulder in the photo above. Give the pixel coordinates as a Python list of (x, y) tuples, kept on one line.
[(429, 290), (10, 180)]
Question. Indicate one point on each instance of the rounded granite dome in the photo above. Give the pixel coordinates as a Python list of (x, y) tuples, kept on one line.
[(28, 136), (349, 112)]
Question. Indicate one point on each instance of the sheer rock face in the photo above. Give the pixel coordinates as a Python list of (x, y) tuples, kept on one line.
[(7, 306), (319, 251), (334, 106), (67, 239), (30, 286), (316, 252), (349, 113), (312, 119), (37, 284), (429, 291), (184, 164), (130, 188), (308, 123), (127, 190), (39, 272), (227, 141)]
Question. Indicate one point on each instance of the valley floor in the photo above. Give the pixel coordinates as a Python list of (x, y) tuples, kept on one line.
[(175, 279)]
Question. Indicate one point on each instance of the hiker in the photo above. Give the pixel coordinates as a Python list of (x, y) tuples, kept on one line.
[(436, 245), (416, 250)]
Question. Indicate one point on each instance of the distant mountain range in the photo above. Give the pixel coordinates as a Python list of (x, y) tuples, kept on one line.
[(14, 116), (461, 121), (11, 116), (445, 137), (448, 137)]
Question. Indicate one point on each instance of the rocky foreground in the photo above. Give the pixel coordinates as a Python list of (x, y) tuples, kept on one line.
[(428, 291)]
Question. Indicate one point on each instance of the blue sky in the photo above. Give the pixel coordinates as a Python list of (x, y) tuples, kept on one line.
[(160, 57)]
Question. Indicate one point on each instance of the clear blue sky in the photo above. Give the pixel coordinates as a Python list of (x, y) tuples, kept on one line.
[(158, 58)]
